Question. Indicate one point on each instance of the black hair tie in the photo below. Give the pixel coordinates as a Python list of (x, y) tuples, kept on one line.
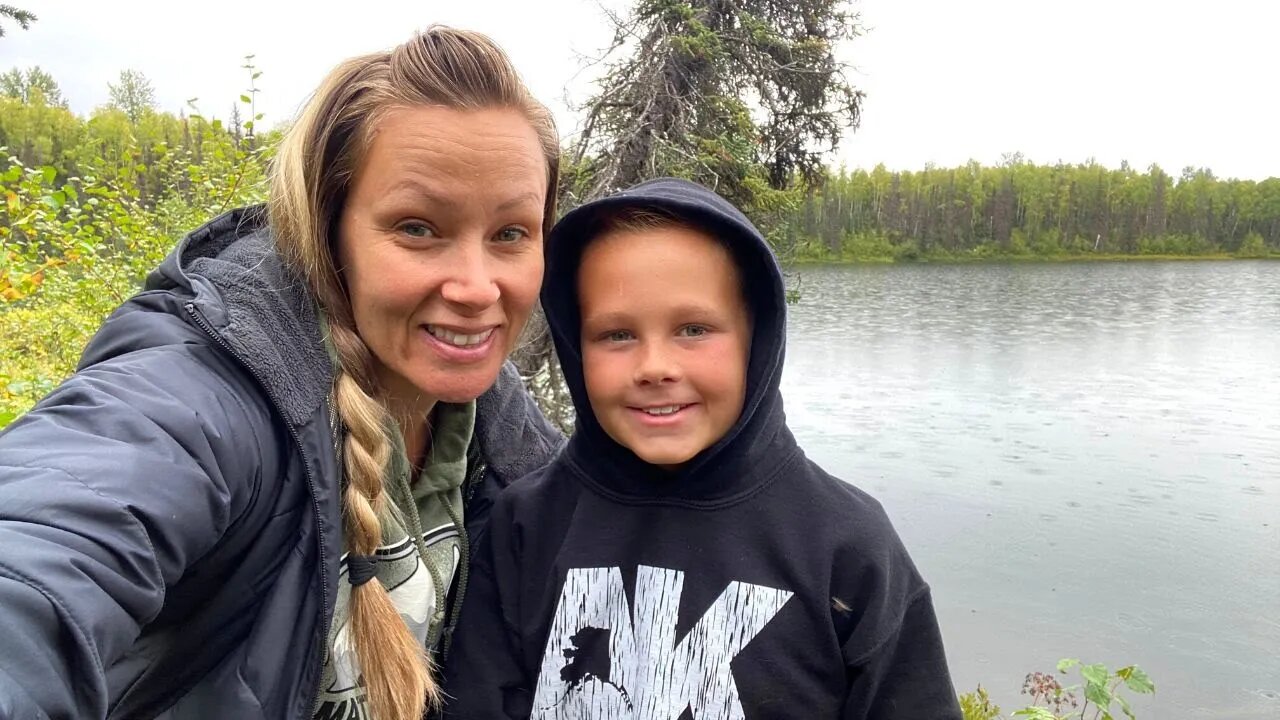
[(361, 568)]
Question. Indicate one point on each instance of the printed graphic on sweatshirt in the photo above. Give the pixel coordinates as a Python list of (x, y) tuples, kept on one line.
[(401, 571), (607, 661)]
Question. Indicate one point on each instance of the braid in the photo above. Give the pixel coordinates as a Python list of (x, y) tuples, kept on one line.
[(310, 177), (395, 665)]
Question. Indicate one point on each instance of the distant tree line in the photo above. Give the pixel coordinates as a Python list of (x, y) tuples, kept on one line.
[(1019, 208)]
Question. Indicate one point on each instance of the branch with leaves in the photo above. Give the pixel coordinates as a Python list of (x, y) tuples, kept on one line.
[(22, 17), (1050, 700)]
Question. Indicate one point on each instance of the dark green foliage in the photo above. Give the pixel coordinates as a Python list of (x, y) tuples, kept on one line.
[(745, 97)]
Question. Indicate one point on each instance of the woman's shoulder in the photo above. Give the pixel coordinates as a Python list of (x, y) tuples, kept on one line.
[(515, 437), (150, 322), (149, 365), (150, 372)]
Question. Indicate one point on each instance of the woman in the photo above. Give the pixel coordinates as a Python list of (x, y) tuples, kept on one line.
[(248, 502)]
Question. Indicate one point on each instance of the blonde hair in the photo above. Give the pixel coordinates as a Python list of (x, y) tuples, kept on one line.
[(311, 175), (637, 219)]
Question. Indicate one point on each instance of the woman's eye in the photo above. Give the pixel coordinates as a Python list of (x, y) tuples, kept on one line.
[(416, 230), (511, 234)]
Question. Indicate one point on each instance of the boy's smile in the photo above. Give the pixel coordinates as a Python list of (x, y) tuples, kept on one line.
[(665, 340)]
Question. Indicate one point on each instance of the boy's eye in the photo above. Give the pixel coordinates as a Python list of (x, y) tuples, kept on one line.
[(617, 335), (693, 330)]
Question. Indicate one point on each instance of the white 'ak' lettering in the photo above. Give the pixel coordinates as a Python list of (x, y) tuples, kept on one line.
[(599, 665)]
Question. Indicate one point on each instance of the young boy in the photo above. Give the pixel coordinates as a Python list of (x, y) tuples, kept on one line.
[(682, 558)]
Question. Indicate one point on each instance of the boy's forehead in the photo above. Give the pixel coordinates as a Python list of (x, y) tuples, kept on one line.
[(630, 252), (667, 270), (627, 255)]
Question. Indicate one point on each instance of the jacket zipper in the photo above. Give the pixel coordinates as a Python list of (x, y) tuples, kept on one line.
[(204, 325)]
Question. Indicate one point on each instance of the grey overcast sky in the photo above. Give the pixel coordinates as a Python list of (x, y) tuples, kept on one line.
[(1175, 82)]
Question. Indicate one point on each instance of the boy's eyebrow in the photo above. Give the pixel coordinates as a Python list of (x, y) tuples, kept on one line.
[(608, 318), (616, 317)]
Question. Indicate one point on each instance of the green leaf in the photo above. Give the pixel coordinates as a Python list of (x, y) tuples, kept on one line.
[(1098, 695), (71, 192), (1124, 705), (1095, 674), (1066, 664), (7, 416), (244, 99), (56, 200), (1137, 680), (256, 75), (49, 173), (1035, 713)]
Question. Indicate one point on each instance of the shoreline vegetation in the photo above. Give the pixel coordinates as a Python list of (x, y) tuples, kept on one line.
[(1018, 211), (999, 259)]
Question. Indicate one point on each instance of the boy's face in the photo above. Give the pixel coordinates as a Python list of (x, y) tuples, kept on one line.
[(665, 340)]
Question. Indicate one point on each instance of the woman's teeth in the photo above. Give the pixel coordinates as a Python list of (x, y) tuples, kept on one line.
[(666, 410), (458, 339)]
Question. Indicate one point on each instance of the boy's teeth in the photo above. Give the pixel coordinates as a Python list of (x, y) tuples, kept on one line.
[(459, 339), (663, 410)]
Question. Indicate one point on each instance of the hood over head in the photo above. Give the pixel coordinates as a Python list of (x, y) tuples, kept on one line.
[(759, 442)]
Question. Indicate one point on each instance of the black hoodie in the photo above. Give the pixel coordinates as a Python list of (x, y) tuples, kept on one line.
[(748, 584)]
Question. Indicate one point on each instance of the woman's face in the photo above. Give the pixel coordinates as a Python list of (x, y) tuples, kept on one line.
[(440, 244)]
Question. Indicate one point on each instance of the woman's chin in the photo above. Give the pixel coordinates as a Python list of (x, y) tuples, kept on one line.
[(459, 385)]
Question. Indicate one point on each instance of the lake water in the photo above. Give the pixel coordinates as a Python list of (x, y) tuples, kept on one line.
[(1083, 458)]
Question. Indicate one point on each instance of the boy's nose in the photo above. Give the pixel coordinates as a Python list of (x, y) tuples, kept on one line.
[(656, 365)]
